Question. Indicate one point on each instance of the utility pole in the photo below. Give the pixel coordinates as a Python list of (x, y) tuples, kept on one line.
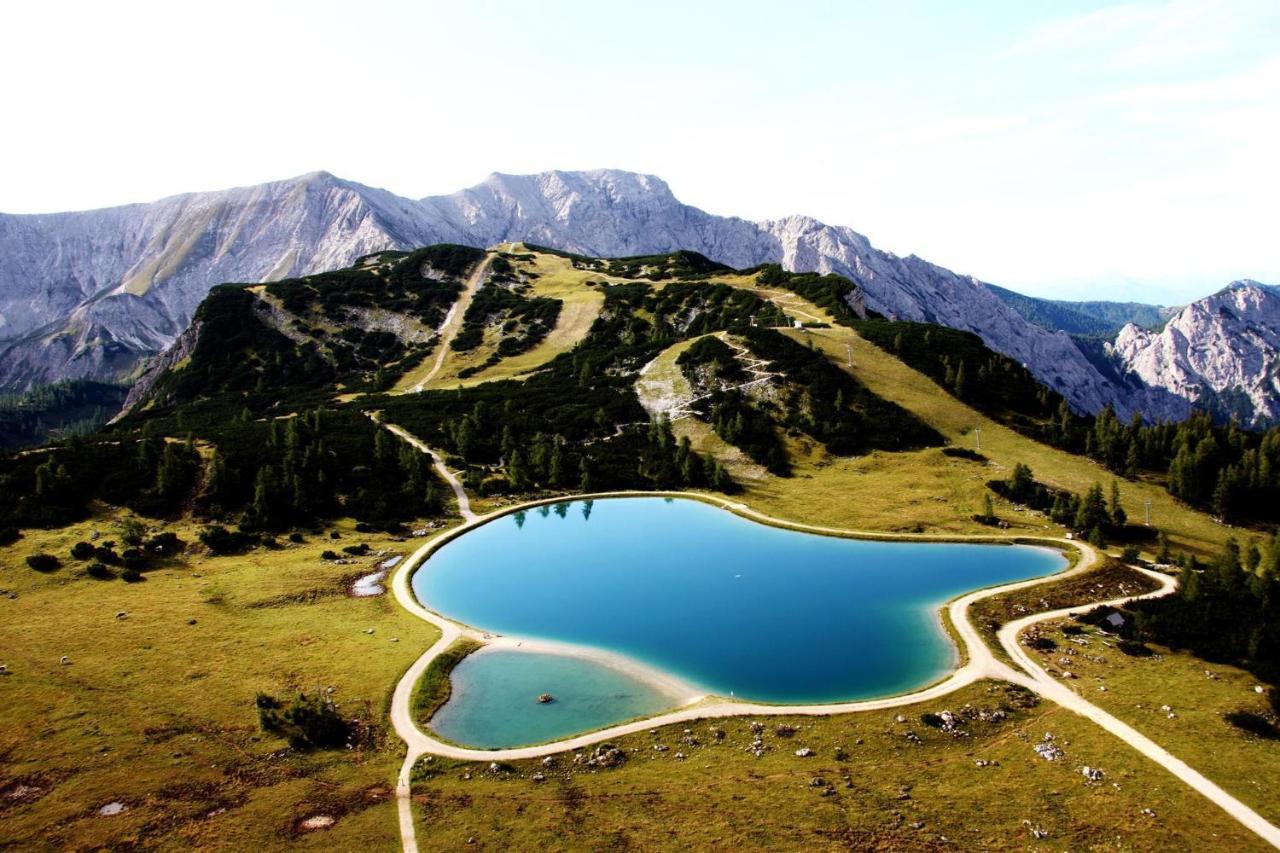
[(977, 431), (1146, 503), (849, 347)]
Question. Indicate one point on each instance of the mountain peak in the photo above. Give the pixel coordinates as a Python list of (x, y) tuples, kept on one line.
[(618, 185)]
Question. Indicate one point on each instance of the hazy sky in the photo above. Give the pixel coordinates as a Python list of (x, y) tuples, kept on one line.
[(1081, 150)]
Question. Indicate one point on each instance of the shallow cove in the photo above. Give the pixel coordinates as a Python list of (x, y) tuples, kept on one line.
[(736, 607), (494, 702)]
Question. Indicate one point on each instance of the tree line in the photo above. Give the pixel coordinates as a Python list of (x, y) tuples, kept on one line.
[(1223, 469)]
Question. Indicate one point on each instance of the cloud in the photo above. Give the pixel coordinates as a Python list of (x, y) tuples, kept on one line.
[(1152, 34)]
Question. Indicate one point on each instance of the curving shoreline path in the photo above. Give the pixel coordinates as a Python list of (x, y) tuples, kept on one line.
[(978, 661)]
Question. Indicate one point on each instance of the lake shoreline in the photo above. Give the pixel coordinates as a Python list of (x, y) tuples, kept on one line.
[(684, 689)]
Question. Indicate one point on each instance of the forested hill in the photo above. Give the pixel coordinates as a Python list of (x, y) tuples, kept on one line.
[(520, 364), (525, 366)]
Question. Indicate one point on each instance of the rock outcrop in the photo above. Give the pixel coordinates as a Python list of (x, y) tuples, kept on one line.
[(1220, 354)]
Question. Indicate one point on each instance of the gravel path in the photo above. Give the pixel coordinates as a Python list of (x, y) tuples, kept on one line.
[(453, 320)]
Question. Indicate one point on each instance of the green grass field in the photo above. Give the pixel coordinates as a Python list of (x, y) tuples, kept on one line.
[(1199, 694), (156, 710), (888, 792)]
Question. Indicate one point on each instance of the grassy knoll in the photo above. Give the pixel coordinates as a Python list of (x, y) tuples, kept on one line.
[(1199, 694), (156, 710), (662, 386), (434, 688), (888, 791), (557, 279)]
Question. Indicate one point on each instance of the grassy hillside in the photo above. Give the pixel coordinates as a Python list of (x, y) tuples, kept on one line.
[(154, 705)]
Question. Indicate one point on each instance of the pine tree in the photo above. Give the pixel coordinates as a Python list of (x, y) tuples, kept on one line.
[(433, 501), (171, 476), (1131, 461), (1118, 515), (1021, 483), (1252, 558), (383, 452), (217, 487), (555, 467), (262, 512), (1269, 563), (517, 476), (1092, 513)]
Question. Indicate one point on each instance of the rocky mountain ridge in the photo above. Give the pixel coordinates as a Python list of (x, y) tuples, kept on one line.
[(91, 294), (1220, 353)]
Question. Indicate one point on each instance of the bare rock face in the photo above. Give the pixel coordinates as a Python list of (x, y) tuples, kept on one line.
[(1221, 354), (91, 294)]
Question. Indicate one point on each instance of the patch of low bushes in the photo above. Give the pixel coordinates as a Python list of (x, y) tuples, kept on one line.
[(43, 562), (220, 541), (1134, 649), (963, 453), (1254, 723), (100, 571), (308, 722)]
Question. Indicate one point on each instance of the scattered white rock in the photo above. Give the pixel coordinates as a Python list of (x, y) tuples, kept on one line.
[(804, 752), (320, 821), (113, 809), (1093, 774), (1047, 749)]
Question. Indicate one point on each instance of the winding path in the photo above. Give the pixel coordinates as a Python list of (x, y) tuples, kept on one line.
[(979, 662), (453, 320), (678, 408), (1057, 691), (437, 461)]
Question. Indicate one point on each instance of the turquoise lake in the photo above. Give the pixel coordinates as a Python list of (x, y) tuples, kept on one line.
[(734, 607)]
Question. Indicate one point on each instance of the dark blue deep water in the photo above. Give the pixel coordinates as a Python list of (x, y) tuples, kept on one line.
[(730, 605)]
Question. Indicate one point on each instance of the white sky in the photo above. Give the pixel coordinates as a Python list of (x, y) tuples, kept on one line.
[(1080, 150)]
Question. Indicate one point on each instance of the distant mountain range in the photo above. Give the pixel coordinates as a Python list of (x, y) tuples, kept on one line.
[(93, 294), (1089, 319)]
